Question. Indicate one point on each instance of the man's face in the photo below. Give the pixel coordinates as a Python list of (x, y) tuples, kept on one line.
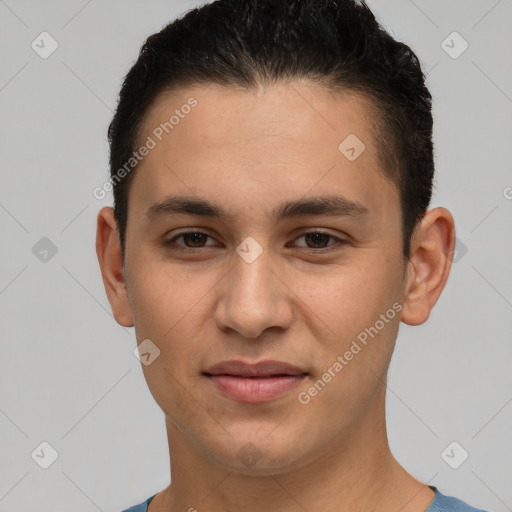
[(304, 300)]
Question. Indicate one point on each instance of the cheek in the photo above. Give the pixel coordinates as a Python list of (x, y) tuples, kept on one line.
[(167, 309), (173, 309), (164, 296), (349, 299), (362, 311)]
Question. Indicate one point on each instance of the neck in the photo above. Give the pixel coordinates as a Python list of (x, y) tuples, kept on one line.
[(355, 471)]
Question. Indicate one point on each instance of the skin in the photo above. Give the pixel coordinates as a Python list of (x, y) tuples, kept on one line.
[(250, 151)]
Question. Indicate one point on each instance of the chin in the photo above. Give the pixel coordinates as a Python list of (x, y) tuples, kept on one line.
[(257, 455)]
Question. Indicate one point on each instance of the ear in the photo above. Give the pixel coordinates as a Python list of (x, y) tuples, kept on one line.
[(108, 250), (432, 248)]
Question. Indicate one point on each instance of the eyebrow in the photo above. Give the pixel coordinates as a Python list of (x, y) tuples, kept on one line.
[(323, 205)]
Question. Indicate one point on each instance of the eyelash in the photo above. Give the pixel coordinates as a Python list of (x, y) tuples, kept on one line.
[(322, 250)]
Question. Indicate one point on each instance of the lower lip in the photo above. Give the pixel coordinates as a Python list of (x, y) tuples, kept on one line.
[(255, 389)]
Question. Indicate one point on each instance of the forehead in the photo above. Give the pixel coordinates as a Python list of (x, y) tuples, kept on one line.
[(302, 110), (280, 140)]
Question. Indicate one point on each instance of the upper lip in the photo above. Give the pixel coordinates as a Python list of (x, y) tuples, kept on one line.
[(259, 369)]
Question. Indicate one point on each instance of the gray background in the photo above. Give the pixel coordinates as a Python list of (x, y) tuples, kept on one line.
[(68, 375)]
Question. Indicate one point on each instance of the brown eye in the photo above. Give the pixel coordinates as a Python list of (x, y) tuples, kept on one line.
[(191, 240), (194, 239), (319, 240)]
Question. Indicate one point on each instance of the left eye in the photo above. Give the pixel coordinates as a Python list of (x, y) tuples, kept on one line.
[(317, 238)]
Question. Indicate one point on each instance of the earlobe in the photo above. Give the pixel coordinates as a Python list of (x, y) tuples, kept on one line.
[(429, 265), (108, 250)]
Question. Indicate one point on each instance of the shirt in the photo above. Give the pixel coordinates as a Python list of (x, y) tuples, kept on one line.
[(440, 503)]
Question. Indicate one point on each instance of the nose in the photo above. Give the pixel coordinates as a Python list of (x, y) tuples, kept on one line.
[(253, 299)]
